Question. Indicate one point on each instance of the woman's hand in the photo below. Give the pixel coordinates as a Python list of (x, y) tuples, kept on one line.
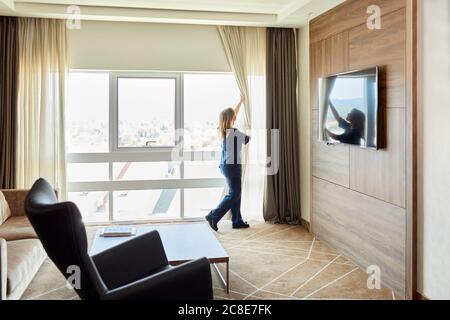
[(242, 98)]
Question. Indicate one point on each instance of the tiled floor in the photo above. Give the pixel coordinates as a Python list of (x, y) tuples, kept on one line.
[(287, 262), (266, 262)]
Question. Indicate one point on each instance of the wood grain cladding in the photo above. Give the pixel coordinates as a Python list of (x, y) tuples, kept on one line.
[(356, 188), (317, 63), (384, 48), (381, 174), (348, 15), (327, 57), (368, 231), (331, 163)]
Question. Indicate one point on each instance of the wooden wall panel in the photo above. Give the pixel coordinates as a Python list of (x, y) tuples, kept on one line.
[(338, 46), (381, 173), (317, 65), (359, 195), (329, 56), (367, 230), (384, 48), (348, 15), (331, 163)]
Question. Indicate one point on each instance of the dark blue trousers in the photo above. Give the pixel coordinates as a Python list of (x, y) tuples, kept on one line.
[(232, 201)]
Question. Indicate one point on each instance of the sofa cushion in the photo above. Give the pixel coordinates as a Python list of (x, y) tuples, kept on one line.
[(17, 228), (24, 259), (5, 212)]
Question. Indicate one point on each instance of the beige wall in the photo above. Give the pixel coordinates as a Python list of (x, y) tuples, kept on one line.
[(304, 121), (434, 149), (146, 46)]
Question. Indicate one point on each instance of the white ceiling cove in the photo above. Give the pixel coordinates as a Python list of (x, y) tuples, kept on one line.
[(228, 12)]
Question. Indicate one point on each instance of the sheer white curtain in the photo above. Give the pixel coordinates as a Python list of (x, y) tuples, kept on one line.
[(245, 48), (42, 74)]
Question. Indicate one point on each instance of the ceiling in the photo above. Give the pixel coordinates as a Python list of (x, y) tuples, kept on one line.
[(228, 12)]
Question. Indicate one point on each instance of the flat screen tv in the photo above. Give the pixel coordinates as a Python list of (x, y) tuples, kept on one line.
[(348, 108)]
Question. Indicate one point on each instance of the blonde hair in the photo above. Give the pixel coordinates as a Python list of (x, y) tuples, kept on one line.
[(225, 121)]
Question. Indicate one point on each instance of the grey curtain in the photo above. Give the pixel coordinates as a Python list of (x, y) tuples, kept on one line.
[(8, 100), (282, 189)]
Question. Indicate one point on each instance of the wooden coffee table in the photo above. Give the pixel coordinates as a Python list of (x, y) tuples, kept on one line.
[(182, 242)]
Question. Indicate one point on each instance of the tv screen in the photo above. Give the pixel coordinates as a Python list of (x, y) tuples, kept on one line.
[(348, 108)]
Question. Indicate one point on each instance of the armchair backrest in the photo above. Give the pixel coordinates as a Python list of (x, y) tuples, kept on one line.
[(61, 230)]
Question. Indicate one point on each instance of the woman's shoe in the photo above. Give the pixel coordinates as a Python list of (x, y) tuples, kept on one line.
[(241, 225), (211, 222)]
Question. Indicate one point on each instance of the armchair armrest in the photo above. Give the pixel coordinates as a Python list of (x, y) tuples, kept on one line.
[(131, 260), (16, 201), (3, 270), (189, 281)]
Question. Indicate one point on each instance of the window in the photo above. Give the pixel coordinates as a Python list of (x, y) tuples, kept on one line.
[(146, 204), (121, 132), (78, 172), (87, 113), (146, 111), (205, 95), (199, 202), (146, 170), (94, 206)]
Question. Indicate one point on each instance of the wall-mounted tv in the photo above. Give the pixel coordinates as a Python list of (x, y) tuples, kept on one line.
[(348, 108)]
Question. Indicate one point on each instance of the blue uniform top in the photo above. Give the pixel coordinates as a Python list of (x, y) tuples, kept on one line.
[(231, 159)]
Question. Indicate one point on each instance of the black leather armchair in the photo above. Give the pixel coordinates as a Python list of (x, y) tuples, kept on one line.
[(135, 269)]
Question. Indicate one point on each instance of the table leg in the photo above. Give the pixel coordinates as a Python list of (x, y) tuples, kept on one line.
[(228, 277), (225, 282)]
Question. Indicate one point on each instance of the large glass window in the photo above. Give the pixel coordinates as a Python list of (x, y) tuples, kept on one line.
[(205, 95), (146, 204), (146, 111), (87, 112), (199, 202), (79, 172), (94, 206), (146, 170), (121, 132)]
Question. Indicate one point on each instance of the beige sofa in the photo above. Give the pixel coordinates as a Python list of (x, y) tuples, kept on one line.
[(21, 252)]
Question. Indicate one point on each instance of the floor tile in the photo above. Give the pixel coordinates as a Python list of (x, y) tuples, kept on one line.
[(259, 268), (220, 294), (241, 234), (288, 233), (47, 279), (293, 279), (330, 273), (279, 244), (265, 295), (237, 282), (353, 286)]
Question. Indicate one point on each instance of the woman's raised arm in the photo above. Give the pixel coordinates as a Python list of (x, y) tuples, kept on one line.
[(334, 111), (238, 106)]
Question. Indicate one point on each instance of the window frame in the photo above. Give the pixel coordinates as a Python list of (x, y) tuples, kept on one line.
[(114, 108), (143, 154)]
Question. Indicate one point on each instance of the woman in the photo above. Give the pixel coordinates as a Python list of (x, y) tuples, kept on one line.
[(354, 126), (231, 168)]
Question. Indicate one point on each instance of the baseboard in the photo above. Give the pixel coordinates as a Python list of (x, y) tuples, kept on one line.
[(305, 224), (419, 296)]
